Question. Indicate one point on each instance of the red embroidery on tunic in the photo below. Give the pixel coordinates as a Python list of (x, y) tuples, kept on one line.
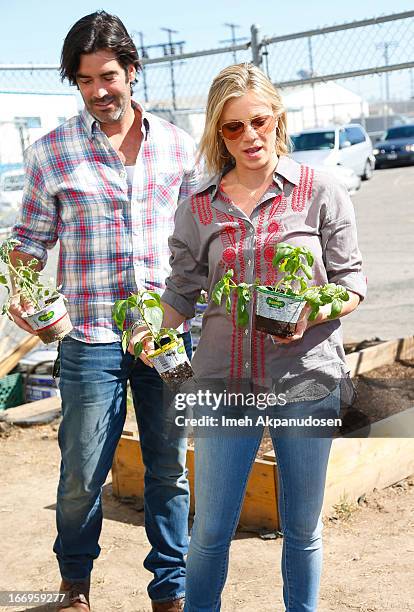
[(258, 266), (310, 185), (229, 255), (303, 191), (228, 239), (233, 339), (242, 264), (201, 203)]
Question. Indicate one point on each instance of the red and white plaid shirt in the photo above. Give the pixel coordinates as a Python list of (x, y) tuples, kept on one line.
[(113, 235)]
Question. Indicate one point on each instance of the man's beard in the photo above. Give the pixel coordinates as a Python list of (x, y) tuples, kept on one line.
[(106, 116)]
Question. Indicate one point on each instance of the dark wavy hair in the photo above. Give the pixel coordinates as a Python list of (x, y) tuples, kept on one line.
[(92, 33)]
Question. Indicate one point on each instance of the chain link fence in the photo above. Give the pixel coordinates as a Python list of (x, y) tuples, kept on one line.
[(327, 75)]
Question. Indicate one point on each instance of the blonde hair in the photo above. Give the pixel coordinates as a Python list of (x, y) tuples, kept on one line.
[(233, 82)]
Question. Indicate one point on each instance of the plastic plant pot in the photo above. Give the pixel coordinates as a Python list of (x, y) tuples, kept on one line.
[(276, 312), (51, 322), (172, 363)]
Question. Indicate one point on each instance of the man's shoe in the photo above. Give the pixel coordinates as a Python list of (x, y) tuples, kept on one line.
[(77, 596), (174, 605)]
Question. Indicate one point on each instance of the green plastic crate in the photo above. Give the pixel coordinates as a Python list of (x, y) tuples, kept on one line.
[(11, 391)]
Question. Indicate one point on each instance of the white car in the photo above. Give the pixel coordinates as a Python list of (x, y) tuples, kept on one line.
[(346, 176), (11, 193), (347, 145)]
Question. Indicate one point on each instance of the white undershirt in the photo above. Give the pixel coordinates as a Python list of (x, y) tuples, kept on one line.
[(130, 170)]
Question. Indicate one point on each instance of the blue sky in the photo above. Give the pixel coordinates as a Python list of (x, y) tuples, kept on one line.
[(34, 31)]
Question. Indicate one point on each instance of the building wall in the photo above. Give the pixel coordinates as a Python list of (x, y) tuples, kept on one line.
[(25, 117)]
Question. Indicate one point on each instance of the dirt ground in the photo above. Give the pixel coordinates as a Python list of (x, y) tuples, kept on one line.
[(369, 550)]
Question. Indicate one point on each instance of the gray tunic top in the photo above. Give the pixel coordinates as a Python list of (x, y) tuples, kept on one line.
[(303, 207)]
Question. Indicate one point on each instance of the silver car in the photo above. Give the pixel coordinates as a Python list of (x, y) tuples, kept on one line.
[(346, 145)]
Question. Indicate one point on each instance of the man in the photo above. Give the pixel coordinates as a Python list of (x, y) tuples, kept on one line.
[(106, 184)]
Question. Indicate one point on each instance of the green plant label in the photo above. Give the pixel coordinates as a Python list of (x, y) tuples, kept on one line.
[(274, 302), (47, 316)]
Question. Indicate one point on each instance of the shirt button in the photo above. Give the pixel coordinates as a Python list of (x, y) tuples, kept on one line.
[(249, 262), (123, 174), (246, 332), (246, 365)]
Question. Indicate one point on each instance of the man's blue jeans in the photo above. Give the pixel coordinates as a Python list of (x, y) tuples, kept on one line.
[(222, 467), (93, 386)]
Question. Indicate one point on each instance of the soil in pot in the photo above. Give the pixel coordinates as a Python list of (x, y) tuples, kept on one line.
[(172, 364), (277, 313)]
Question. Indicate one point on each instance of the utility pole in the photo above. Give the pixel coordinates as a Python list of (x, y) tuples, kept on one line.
[(233, 40), (310, 54), (386, 45), (171, 50)]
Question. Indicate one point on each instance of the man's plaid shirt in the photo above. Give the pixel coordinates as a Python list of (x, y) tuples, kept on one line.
[(113, 236)]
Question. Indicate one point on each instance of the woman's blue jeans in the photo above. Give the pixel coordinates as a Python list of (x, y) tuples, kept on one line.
[(93, 385), (222, 466)]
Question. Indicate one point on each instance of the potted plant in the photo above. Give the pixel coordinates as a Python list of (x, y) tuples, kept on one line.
[(50, 318), (278, 308), (169, 357)]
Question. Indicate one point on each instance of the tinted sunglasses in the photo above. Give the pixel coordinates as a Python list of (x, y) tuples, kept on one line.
[(232, 130)]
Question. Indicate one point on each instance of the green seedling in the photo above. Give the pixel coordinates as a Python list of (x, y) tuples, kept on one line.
[(26, 280), (150, 310), (295, 264)]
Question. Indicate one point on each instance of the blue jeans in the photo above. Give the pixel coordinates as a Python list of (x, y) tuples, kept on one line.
[(222, 466), (93, 385)]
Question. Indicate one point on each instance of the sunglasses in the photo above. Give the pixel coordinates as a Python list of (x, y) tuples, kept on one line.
[(261, 125)]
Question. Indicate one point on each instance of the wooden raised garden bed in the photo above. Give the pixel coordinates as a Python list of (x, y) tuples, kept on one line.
[(357, 464)]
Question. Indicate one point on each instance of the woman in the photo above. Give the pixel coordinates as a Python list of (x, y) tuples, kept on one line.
[(257, 198)]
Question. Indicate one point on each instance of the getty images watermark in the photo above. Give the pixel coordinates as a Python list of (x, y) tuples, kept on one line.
[(215, 403)]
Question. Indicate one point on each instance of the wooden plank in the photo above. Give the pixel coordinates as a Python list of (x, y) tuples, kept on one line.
[(191, 471), (358, 465), (44, 410), (128, 468), (380, 355), (260, 503), (270, 456), (11, 361), (260, 506)]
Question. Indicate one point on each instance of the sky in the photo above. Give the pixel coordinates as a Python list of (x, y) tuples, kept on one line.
[(34, 31)]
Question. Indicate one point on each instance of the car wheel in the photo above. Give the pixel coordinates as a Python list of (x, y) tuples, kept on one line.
[(368, 171)]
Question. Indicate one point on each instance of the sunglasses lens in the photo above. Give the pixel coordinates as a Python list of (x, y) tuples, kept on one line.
[(263, 124), (232, 130)]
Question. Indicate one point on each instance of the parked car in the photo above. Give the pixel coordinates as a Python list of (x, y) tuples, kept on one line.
[(11, 193), (396, 148), (376, 125), (346, 145), (347, 176)]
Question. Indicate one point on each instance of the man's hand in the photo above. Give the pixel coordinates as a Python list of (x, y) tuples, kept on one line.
[(19, 307), (142, 334)]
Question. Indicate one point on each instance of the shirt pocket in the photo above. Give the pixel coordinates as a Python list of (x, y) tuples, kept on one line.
[(166, 192)]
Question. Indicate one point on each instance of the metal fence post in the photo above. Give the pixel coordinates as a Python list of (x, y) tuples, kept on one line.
[(256, 43)]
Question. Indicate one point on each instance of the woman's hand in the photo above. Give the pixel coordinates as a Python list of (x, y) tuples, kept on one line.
[(142, 334), (302, 325), (323, 315)]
